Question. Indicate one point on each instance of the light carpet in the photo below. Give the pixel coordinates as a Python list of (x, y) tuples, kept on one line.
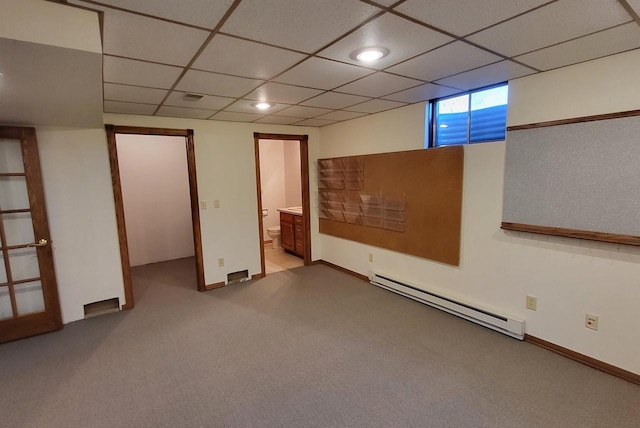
[(309, 347)]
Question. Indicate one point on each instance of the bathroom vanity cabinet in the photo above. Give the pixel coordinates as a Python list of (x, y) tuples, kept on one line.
[(292, 233)]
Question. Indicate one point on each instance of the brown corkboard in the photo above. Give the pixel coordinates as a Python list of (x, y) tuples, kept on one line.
[(430, 181)]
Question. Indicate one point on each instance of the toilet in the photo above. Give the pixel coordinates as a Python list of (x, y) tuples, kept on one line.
[(274, 234)]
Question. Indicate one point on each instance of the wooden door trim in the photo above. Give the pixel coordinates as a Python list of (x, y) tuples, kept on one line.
[(111, 131), (256, 148), (306, 198), (35, 187)]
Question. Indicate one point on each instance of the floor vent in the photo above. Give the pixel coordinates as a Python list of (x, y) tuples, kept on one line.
[(102, 307), (501, 323), (240, 276)]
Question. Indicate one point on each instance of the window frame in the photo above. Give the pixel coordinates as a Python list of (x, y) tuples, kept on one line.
[(431, 116)]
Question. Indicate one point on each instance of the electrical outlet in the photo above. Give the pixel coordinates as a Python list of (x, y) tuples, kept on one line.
[(216, 203), (220, 262), (591, 321), (203, 205), (370, 258), (532, 303)]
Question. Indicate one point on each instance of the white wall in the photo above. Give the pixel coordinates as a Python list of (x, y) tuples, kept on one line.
[(155, 192), (272, 181), (77, 181), (292, 174), (82, 221), (225, 164), (498, 269)]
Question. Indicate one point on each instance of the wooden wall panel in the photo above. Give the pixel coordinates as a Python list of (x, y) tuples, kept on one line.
[(431, 180)]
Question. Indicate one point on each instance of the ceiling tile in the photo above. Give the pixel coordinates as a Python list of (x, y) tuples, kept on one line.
[(245, 106), (335, 100), (203, 82), (278, 120), (236, 117), (425, 92), (303, 112), (130, 72), (341, 115), (190, 113), (495, 73), (379, 84), (552, 24), (304, 25), (403, 38), (139, 37), (202, 13), (597, 45), (128, 108), (376, 106), (462, 17), (279, 93), (230, 55), (315, 122), (207, 102), (133, 94), (445, 61), (322, 74)]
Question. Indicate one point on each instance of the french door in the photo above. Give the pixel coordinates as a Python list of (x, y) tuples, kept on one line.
[(28, 292)]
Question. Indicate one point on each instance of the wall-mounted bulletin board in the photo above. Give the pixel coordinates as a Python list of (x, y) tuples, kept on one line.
[(577, 178), (410, 202)]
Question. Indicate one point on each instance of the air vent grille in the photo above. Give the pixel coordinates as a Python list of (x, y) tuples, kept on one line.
[(192, 97)]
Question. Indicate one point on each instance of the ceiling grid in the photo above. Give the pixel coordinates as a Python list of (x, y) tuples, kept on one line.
[(299, 56)]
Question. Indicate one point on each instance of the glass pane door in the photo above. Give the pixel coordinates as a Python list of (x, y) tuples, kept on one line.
[(28, 292), (20, 289)]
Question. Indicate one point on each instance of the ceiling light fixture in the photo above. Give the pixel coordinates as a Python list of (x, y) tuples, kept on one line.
[(262, 105), (369, 54)]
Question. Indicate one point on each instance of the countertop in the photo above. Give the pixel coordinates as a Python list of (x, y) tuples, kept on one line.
[(291, 210)]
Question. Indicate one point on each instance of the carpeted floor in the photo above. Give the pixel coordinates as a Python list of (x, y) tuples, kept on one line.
[(309, 347)]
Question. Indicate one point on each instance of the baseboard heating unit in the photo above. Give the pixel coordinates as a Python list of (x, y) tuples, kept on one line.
[(500, 323)]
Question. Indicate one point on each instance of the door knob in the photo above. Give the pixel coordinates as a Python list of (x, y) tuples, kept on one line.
[(40, 243)]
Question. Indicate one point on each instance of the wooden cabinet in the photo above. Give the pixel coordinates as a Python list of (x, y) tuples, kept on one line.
[(292, 233)]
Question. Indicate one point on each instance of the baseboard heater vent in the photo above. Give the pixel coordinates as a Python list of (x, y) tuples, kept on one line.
[(500, 323), (240, 276)]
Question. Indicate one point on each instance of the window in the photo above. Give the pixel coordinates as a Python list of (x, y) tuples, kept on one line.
[(474, 117)]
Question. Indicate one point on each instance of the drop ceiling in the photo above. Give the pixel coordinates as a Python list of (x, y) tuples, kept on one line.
[(296, 54)]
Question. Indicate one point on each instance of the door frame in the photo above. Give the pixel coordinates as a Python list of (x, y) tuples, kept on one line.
[(112, 130), (306, 196), (51, 318)]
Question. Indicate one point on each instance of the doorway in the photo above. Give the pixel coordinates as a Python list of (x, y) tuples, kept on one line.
[(294, 221), (141, 254)]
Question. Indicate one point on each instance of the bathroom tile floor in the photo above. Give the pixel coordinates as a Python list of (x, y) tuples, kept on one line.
[(277, 260)]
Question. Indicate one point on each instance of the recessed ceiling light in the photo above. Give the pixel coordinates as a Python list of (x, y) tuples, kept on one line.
[(262, 105), (369, 54)]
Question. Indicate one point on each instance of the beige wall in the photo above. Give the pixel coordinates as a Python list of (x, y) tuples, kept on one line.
[(75, 165), (79, 196), (156, 199), (595, 87), (272, 181), (225, 163), (498, 269), (292, 174)]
